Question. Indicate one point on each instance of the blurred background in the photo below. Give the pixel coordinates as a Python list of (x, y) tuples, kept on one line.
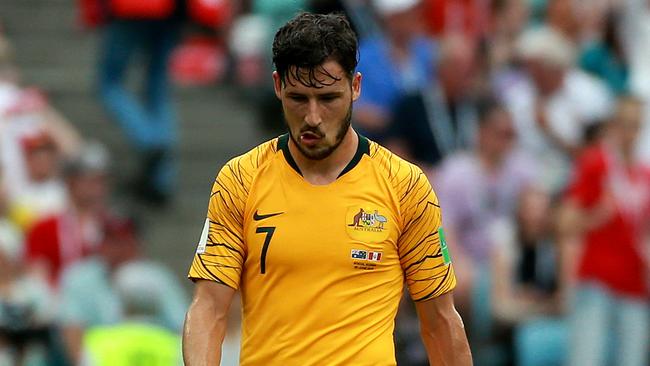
[(529, 116)]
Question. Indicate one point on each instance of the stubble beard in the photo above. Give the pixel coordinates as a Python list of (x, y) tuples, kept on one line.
[(320, 153)]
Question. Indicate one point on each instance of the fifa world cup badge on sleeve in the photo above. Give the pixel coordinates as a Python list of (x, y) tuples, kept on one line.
[(443, 246)]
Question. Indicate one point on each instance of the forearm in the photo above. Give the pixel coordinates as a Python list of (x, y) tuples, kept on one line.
[(203, 335), (444, 338)]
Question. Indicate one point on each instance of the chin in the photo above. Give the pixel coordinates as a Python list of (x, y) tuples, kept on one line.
[(316, 154)]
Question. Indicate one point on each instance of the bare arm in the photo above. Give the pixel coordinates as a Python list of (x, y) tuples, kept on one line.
[(205, 323), (443, 332)]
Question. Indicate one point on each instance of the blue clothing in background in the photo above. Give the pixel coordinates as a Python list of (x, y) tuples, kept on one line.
[(603, 63), (148, 120), (384, 81)]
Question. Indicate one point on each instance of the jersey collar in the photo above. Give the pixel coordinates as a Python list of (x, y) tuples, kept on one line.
[(363, 147)]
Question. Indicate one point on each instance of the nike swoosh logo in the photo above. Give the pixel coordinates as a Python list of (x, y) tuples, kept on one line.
[(258, 217)]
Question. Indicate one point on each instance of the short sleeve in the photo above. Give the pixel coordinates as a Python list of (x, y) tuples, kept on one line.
[(423, 252), (221, 251)]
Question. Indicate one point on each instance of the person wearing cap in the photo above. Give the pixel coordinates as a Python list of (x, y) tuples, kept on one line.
[(552, 101), (393, 64), (59, 240)]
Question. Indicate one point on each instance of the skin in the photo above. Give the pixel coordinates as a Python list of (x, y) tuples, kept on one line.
[(322, 140), (322, 143)]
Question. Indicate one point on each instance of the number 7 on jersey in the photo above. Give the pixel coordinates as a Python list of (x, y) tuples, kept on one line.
[(268, 230)]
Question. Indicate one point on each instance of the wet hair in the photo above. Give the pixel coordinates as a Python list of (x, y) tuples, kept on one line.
[(308, 40)]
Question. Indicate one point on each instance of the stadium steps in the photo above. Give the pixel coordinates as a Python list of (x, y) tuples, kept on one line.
[(54, 54)]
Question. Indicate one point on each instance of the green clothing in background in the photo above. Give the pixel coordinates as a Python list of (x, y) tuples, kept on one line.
[(132, 344)]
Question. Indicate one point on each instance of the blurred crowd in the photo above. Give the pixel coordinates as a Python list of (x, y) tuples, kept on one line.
[(73, 276), (530, 117), (531, 120)]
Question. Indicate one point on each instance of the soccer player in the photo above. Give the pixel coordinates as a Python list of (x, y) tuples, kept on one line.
[(320, 228)]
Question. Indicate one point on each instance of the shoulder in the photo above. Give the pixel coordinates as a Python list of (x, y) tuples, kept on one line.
[(242, 169), (402, 175)]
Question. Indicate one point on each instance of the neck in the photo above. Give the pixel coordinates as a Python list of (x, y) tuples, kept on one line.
[(325, 171)]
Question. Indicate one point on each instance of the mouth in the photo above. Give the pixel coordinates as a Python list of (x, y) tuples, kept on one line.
[(310, 138)]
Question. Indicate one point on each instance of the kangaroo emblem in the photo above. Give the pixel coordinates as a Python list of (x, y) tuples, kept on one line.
[(357, 217)]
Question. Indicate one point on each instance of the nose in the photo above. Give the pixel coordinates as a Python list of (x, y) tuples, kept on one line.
[(313, 117)]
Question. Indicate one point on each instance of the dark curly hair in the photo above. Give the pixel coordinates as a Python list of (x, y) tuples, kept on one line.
[(308, 40)]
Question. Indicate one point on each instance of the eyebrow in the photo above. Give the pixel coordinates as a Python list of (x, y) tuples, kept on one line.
[(336, 93)]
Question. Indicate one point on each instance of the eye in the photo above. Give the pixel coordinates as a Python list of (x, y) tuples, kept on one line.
[(298, 98), (329, 98)]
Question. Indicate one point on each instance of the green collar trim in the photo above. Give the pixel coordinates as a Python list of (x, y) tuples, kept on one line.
[(362, 148)]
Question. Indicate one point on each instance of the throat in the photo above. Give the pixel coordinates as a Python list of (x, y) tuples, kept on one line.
[(326, 171)]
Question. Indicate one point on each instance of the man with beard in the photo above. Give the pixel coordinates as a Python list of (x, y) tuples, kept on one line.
[(315, 289)]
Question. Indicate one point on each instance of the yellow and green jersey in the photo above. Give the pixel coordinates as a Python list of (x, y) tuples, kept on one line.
[(321, 268)]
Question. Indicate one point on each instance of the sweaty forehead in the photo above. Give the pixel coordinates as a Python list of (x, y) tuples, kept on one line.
[(326, 75)]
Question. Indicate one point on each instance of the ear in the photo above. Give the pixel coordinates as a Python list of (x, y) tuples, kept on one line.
[(356, 86), (277, 84)]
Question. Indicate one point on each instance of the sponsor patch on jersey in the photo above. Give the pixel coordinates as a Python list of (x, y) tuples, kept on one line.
[(367, 224), (203, 241)]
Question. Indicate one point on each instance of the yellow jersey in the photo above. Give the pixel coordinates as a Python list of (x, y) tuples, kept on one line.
[(321, 268)]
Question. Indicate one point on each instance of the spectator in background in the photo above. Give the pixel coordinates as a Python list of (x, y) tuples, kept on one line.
[(138, 339), (635, 17), (25, 112), (525, 287), (635, 34), (551, 101), (606, 219), (56, 242), (476, 188), (26, 314), (439, 119), (44, 192), (34, 138), (392, 64), (469, 17), (603, 56), (562, 15), (509, 19), (149, 123), (88, 293)]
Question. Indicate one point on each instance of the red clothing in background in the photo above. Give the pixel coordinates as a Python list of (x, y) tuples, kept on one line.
[(59, 241), (470, 17), (612, 253)]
